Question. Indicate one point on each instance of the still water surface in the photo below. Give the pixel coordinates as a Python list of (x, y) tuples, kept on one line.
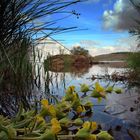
[(117, 111)]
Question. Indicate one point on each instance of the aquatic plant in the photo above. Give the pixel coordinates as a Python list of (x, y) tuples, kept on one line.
[(65, 119)]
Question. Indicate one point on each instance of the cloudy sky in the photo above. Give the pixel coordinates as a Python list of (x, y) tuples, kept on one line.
[(104, 24)]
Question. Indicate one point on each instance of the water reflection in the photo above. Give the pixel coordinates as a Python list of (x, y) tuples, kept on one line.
[(121, 109), (124, 108)]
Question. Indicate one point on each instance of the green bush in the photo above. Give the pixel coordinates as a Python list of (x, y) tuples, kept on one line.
[(134, 61)]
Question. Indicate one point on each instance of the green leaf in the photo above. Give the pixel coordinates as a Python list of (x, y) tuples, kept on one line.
[(109, 89), (104, 135), (78, 122), (82, 134), (48, 135), (118, 91), (64, 122), (84, 88), (3, 135)]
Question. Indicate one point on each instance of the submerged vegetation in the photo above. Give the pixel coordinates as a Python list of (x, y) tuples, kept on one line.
[(63, 120)]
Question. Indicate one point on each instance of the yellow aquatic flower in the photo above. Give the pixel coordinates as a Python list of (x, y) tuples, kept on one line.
[(70, 90), (98, 87), (75, 96), (63, 99), (39, 119), (80, 109), (86, 125), (52, 110), (88, 105), (56, 128), (54, 121), (92, 137), (44, 102), (92, 126)]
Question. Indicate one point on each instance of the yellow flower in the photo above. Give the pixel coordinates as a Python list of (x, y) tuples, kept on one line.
[(52, 110), (88, 105), (92, 126), (54, 121), (70, 89), (44, 102), (80, 109), (98, 87), (86, 125), (92, 137), (56, 128), (75, 96), (39, 119)]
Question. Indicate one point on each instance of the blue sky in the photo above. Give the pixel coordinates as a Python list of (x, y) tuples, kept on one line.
[(104, 30)]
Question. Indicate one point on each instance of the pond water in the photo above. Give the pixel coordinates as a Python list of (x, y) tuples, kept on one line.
[(118, 112)]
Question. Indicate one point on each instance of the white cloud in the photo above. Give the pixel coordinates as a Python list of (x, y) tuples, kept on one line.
[(94, 47), (98, 48), (107, 49), (122, 17)]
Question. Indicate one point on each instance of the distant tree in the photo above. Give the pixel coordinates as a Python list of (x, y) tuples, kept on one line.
[(78, 50)]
